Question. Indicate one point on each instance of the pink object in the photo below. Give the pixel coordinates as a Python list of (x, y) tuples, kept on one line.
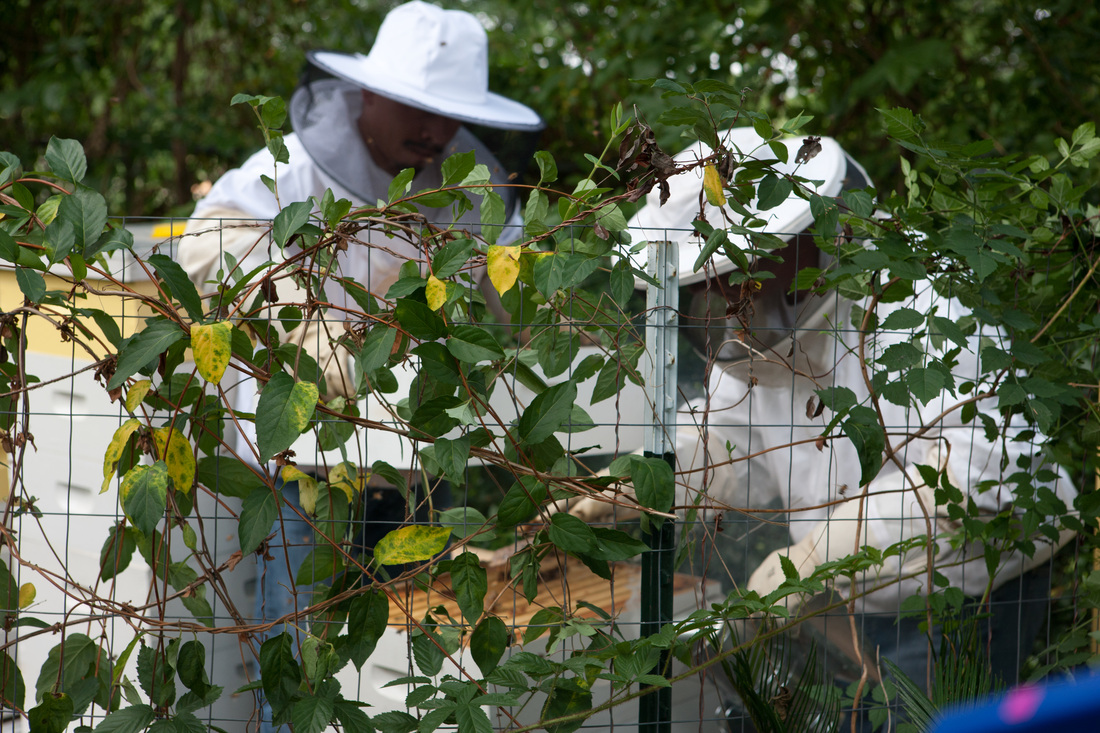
[(1020, 705)]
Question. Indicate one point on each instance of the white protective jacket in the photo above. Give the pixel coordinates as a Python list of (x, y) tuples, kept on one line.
[(326, 152), (774, 423)]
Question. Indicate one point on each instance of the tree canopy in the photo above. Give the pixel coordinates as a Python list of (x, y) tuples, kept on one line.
[(145, 86)]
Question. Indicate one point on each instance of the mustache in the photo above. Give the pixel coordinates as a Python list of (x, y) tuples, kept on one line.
[(424, 148)]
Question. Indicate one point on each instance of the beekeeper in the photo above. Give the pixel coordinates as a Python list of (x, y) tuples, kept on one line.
[(359, 120), (754, 439)]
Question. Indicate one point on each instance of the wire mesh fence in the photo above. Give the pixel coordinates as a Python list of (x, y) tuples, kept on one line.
[(378, 473)]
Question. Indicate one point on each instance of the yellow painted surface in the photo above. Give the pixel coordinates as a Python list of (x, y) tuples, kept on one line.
[(44, 338)]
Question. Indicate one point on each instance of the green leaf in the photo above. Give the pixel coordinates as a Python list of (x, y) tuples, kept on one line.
[(400, 184), (283, 413), (615, 545), (258, 514), (117, 551), (925, 384), (654, 483), (611, 380), (571, 534), (128, 720), (567, 698), (903, 319), (227, 476), (518, 505), (321, 564), (279, 671), (411, 544), (622, 283), (452, 456), (273, 112), (548, 169), (352, 718), (555, 271), (472, 345), (470, 583), (52, 715), (155, 675), (59, 240), (143, 347), (902, 124), (66, 159), (493, 212), (394, 721), (900, 356), (31, 283), (289, 221), (367, 618), (472, 718), (452, 257), (12, 688), (144, 495), (456, 167), (837, 399), (488, 644), (863, 429), (427, 655), (85, 211), (109, 241), (859, 202), (772, 191), (546, 413), (9, 248), (716, 239), (333, 209), (392, 476), (311, 714), (180, 285), (377, 347), (191, 666), (535, 212), (419, 320)]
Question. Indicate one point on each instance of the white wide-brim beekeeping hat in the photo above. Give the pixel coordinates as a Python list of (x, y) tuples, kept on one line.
[(435, 60), (831, 171)]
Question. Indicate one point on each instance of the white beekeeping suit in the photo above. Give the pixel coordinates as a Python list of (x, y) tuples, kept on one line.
[(425, 58), (754, 440)]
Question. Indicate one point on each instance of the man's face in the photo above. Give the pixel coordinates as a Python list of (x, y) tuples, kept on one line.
[(399, 136)]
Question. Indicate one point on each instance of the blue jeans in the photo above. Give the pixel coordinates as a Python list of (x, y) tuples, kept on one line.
[(383, 510)]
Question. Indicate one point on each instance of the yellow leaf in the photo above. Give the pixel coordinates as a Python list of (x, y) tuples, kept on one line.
[(175, 450), (307, 488), (212, 345), (114, 450), (137, 394), (503, 266), (346, 477), (27, 593), (436, 292), (411, 544), (712, 184)]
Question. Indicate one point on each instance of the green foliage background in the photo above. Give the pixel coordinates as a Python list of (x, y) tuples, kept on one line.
[(145, 84)]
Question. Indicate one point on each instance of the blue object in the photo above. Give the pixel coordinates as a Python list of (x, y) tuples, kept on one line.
[(1065, 706)]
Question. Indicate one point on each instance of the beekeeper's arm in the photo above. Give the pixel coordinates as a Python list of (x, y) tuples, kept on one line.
[(711, 468), (223, 230), (899, 506)]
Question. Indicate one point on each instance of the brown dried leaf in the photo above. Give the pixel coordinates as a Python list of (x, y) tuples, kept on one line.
[(811, 146)]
